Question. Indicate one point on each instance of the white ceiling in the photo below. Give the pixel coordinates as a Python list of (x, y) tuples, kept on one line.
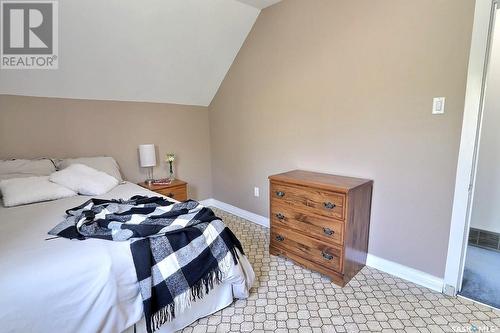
[(171, 51), (261, 4)]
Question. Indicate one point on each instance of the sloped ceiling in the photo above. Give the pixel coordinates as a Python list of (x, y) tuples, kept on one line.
[(170, 51), (261, 4)]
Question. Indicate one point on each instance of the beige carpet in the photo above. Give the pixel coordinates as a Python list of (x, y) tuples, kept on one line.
[(288, 298)]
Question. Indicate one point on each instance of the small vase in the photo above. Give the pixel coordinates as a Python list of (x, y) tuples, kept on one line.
[(171, 175)]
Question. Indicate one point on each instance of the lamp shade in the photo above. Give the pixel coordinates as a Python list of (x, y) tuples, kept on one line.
[(147, 155)]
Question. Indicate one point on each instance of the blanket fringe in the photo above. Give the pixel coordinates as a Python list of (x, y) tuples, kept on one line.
[(197, 291)]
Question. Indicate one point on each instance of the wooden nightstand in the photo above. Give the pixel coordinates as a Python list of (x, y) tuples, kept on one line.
[(177, 189)]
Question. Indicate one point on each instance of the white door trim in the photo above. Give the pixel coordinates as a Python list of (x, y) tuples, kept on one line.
[(471, 127)]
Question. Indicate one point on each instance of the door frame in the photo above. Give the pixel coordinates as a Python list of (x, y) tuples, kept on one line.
[(469, 144)]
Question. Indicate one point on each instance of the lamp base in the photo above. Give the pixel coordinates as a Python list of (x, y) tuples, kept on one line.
[(150, 178)]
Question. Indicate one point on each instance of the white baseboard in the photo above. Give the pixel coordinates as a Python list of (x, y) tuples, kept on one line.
[(404, 272), (387, 266), (252, 217)]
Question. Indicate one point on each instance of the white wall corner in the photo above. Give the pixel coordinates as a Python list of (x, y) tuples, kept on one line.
[(252, 217), (404, 272)]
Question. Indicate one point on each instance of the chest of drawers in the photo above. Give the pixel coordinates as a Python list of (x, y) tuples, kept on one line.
[(321, 221)]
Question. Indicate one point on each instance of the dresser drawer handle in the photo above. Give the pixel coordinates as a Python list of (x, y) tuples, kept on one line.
[(280, 216), (328, 231), (326, 255), (280, 238), (329, 205), (280, 194), (171, 195)]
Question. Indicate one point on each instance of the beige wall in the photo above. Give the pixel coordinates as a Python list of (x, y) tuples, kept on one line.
[(486, 211), (33, 127), (346, 87), (337, 86)]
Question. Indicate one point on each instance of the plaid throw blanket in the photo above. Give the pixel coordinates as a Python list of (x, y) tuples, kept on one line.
[(180, 250)]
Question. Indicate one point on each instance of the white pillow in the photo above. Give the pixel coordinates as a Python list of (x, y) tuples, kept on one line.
[(103, 163), (19, 168), (21, 191), (84, 180)]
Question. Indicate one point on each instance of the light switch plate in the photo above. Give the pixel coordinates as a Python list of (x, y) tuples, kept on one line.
[(438, 105), (256, 192)]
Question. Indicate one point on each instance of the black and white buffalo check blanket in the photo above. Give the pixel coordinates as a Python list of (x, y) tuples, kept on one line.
[(180, 250)]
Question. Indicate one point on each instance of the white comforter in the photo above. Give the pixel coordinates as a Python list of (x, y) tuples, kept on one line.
[(62, 286)]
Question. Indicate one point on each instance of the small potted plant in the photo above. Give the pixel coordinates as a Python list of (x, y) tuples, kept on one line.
[(170, 158)]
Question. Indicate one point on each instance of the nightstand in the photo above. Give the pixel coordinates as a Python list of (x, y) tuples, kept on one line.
[(177, 189)]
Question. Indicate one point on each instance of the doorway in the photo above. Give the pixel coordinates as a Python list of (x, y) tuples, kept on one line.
[(481, 276), (473, 264)]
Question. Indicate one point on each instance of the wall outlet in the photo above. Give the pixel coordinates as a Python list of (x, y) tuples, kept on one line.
[(256, 192), (438, 105)]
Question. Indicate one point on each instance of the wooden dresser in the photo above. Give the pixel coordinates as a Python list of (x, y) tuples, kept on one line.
[(177, 189), (321, 221)]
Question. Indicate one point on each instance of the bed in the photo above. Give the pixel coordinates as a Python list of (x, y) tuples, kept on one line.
[(58, 285)]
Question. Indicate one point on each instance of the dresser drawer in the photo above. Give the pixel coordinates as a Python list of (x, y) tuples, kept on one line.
[(324, 254), (329, 204), (321, 228), (178, 193)]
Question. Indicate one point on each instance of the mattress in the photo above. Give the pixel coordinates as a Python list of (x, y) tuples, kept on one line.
[(61, 285)]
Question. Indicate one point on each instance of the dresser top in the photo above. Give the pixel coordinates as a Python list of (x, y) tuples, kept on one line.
[(320, 180), (155, 187)]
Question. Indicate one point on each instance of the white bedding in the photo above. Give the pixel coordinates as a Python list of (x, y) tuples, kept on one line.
[(62, 286)]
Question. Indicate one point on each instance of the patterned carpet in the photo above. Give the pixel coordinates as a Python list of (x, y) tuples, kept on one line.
[(288, 298)]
